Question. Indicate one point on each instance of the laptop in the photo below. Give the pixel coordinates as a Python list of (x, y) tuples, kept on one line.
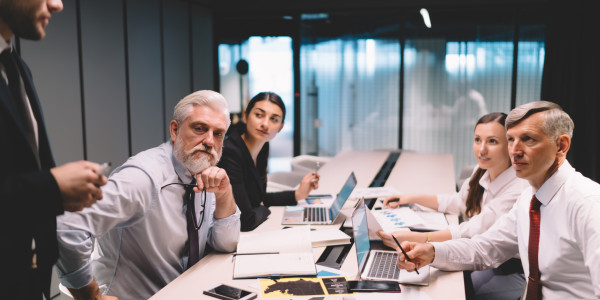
[(379, 264), (320, 214)]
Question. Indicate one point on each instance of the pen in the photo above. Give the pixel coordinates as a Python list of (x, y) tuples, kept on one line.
[(403, 252), (255, 253), (316, 171)]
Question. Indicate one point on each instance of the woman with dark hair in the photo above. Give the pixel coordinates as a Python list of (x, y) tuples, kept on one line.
[(489, 193), (245, 158)]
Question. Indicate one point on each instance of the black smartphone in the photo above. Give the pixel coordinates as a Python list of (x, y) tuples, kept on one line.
[(373, 286), (228, 292)]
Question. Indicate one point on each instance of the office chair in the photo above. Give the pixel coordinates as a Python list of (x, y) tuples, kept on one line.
[(284, 181), (64, 291), (465, 172), (307, 163)]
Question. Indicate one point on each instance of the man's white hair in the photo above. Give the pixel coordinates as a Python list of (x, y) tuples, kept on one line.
[(201, 98)]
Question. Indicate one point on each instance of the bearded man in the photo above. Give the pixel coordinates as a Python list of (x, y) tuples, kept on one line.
[(145, 232)]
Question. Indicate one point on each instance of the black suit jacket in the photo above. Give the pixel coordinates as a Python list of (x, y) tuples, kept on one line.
[(29, 199), (249, 182)]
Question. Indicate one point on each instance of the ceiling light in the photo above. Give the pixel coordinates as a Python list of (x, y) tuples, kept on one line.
[(425, 15)]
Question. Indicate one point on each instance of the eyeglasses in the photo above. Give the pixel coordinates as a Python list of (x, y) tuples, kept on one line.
[(189, 189)]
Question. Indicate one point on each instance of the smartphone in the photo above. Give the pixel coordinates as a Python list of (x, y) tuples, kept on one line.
[(105, 168), (373, 286), (227, 292)]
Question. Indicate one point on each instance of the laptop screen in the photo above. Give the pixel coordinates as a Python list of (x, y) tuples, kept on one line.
[(344, 194), (361, 233)]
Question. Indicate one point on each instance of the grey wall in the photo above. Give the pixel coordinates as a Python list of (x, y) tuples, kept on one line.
[(109, 73)]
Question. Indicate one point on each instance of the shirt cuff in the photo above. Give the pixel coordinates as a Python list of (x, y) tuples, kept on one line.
[(443, 202), (229, 219), (441, 254), (455, 231), (78, 278)]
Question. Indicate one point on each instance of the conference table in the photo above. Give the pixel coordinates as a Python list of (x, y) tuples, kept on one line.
[(410, 172)]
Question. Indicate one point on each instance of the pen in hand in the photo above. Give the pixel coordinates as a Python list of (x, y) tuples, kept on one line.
[(393, 200), (317, 167), (403, 252)]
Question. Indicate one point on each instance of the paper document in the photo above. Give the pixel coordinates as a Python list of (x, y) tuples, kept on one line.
[(432, 221), (274, 265), (402, 217), (374, 192), (279, 253), (294, 239), (373, 225), (328, 237)]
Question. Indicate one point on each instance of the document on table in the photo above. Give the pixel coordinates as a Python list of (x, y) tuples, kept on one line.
[(329, 237), (404, 217), (432, 221), (374, 192), (393, 218), (277, 253)]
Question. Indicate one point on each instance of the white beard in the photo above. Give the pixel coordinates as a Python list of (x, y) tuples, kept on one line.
[(196, 159)]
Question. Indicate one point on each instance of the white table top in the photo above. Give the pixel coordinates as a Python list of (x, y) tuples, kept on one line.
[(413, 173)]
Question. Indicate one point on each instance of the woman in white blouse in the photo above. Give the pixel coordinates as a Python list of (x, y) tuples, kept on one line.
[(488, 194)]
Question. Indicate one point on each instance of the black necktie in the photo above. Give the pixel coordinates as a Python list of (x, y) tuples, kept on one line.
[(14, 84), (189, 197)]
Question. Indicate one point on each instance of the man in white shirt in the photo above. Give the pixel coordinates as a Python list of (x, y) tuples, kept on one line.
[(539, 136), (142, 227)]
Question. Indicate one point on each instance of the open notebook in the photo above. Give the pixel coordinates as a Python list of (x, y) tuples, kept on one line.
[(277, 253)]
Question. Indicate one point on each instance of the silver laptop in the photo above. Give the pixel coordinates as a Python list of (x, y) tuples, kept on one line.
[(379, 264), (320, 214)]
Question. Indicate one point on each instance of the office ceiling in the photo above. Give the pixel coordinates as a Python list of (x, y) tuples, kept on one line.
[(250, 7), (235, 20)]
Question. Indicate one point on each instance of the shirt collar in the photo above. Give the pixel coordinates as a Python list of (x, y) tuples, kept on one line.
[(554, 183), (503, 179), (182, 172)]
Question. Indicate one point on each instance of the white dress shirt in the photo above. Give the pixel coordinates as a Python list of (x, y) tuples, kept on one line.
[(140, 228), (569, 248), (498, 198)]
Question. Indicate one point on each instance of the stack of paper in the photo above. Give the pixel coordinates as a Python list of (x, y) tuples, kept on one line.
[(276, 253), (374, 192), (329, 237), (404, 217)]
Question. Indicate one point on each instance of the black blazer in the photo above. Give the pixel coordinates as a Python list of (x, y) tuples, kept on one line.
[(29, 199), (249, 182)]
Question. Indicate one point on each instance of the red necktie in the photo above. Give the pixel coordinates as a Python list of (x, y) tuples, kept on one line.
[(534, 286)]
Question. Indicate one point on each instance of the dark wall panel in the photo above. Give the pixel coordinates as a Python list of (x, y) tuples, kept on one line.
[(145, 78), (104, 81)]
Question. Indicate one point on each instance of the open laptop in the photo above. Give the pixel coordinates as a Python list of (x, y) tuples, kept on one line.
[(320, 214), (379, 264)]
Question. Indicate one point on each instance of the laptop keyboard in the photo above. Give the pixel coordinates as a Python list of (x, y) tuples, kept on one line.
[(384, 266), (315, 214)]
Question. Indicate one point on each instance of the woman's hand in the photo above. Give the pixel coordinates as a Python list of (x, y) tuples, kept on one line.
[(395, 201), (309, 182)]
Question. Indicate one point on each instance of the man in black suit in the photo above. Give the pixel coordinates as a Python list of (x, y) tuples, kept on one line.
[(33, 191)]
